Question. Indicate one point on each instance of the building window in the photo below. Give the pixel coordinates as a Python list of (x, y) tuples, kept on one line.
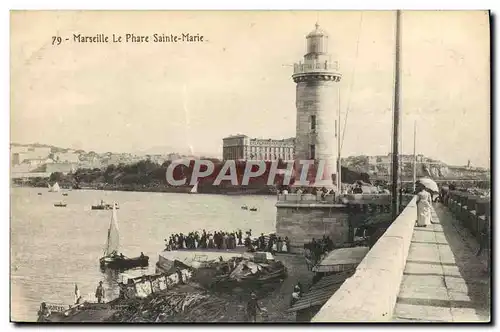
[(313, 123), (312, 152)]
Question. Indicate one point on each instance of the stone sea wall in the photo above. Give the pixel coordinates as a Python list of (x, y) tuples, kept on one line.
[(370, 294)]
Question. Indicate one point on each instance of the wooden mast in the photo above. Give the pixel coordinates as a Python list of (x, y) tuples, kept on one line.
[(396, 122), (339, 137), (415, 156)]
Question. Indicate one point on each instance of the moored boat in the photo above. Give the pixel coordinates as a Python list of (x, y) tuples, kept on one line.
[(104, 206), (254, 272), (111, 258), (253, 209), (60, 204), (244, 207), (118, 262)]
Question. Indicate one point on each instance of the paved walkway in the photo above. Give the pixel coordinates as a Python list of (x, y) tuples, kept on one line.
[(443, 280)]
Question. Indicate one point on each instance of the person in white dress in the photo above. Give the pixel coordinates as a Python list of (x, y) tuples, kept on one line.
[(424, 204)]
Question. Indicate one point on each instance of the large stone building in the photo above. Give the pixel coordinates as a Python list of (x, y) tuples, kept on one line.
[(242, 147), (317, 107)]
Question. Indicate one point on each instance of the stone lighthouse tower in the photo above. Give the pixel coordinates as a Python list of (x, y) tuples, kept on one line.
[(317, 79)]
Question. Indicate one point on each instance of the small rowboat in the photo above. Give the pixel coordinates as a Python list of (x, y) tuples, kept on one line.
[(123, 263), (104, 207), (60, 204)]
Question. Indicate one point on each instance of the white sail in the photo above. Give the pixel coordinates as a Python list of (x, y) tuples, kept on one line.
[(194, 190), (54, 188), (113, 241)]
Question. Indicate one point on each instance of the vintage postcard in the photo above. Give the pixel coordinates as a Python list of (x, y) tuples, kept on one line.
[(250, 166)]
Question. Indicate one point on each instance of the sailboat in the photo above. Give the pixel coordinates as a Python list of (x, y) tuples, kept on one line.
[(111, 258), (194, 190), (55, 188)]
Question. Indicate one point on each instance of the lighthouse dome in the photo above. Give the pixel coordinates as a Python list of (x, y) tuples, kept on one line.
[(317, 32), (317, 41)]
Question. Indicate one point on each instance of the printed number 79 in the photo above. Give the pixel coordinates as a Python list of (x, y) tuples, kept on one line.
[(57, 40)]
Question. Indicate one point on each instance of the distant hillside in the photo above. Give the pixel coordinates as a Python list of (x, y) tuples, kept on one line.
[(356, 167), (54, 149), (428, 168)]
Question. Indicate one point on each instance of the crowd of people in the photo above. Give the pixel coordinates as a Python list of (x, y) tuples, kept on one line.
[(354, 188), (273, 244), (227, 240), (206, 240), (314, 250), (285, 190)]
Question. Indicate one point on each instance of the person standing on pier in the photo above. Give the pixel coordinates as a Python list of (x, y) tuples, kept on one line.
[(230, 240), (252, 307), (262, 239), (279, 244), (204, 237), (248, 242), (196, 240), (210, 241), (217, 240), (78, 297), (443, 194), (223, 240), (424, 202), (274, 246), (43, 313), (183, 242), (240, 237), (99, 293)]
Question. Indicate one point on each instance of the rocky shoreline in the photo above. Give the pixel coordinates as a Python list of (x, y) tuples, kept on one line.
[(165, 189)]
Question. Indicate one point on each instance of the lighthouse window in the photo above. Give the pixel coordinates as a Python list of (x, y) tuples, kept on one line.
[(313, 123), (312, 152)]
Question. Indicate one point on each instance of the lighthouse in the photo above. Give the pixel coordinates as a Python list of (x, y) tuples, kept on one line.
[(317, 78), (299, 216)]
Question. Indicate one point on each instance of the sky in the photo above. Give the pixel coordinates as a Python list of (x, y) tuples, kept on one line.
[(185, 97)]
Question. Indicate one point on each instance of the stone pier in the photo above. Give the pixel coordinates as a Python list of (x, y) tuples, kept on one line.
[(302, 217), (416, 274)]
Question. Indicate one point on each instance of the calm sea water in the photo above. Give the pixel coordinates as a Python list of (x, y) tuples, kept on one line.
[(54, 248)]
